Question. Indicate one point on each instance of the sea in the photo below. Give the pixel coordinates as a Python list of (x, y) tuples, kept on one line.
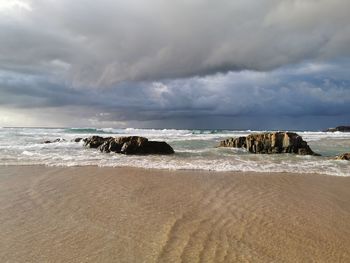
[(194, 150)]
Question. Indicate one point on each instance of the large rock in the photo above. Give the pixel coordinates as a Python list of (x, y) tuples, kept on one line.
[(270, 142), (128, 145), (94, 141), (238, 142), (344, 156), (339, 128)]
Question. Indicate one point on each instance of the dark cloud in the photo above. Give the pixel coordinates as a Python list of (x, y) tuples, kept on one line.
[(146, 63), (99, 43), (245, 99)]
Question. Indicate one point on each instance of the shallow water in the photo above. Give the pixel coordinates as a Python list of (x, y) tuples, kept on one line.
[(195, 150)]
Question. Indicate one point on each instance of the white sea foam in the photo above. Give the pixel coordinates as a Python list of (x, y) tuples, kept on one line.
[(195, 149)]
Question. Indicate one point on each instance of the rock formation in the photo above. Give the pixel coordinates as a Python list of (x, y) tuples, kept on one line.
[(128, 145), (270, 142), (239, 142), (95, 141), (339, 128), (344, 156)]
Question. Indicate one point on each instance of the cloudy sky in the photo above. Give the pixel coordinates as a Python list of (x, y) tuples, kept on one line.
[(242, 64)]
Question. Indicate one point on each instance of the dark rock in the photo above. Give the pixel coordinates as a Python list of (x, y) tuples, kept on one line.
[(154, 147), (133, 145), (56, 140), (234, 142), (77, 140), (95, 141), (344, 156), (271, 142), (110, 145), (128, 145), (339, 128)]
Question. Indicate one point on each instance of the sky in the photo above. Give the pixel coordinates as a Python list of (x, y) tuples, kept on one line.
[(196, 64)]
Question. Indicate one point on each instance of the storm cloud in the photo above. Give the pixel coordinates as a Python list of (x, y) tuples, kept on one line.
[(307, 90), (106, 42), (228, 64)]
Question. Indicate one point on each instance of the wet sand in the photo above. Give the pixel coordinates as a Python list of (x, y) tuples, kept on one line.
[(90, 214)]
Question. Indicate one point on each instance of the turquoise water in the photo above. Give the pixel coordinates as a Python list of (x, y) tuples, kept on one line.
[(195, 150)]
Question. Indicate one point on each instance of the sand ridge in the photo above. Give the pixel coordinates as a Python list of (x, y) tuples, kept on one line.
[(91, 214)]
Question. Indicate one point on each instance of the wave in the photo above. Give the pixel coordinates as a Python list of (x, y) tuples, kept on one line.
[(236, 163), (195, 150), (155, 131), (92, 130), (125, 131), (209, 131)]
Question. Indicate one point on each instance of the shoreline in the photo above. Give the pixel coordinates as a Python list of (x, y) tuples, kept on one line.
[(171, 170), (108, 214)]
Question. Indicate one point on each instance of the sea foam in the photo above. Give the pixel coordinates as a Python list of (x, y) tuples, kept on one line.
[(195, 150)]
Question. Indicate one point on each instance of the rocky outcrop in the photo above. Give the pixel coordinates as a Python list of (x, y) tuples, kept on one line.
[(128, 145), (238, 142), (77, 139), (344, 156), (270, 142), (95, 141), (339, 128)]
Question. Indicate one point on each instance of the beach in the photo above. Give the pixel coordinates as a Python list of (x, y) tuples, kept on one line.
[(174, 131), (94, 214)]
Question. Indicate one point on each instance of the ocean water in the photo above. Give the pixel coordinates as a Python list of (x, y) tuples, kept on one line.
[(195, 150)]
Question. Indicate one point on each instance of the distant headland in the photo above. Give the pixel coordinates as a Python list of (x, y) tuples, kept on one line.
[(339, 128)]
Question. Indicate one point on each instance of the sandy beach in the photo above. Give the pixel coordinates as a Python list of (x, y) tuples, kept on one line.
[(91, 214)]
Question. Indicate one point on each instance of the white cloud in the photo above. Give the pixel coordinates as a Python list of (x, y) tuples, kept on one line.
[(8, 6)]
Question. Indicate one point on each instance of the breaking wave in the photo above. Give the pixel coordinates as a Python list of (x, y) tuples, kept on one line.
[(195, 150)]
